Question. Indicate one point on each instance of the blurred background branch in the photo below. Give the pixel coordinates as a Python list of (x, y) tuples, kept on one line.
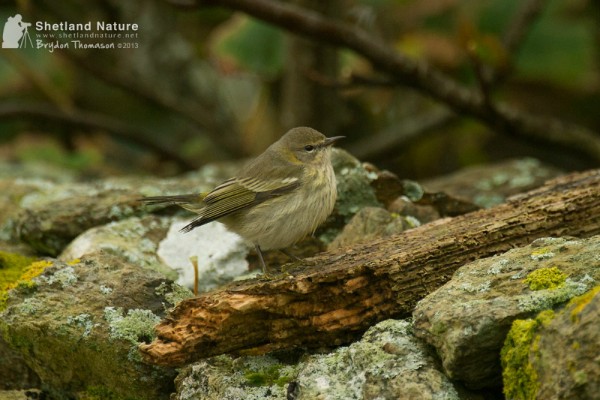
[(422, 76), (419, 87)]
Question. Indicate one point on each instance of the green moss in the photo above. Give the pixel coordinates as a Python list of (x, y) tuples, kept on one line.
[(545, 278), (580, 302), (98, 393), (518, 374), (267, 377)]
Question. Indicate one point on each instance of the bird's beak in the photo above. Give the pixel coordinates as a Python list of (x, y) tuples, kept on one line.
[(331, 140)]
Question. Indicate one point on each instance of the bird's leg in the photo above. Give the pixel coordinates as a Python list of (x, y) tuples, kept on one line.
[(262, 260)]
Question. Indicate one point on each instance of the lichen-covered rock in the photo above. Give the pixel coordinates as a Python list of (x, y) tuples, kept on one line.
[(220, 254), (77, 325), (55, 214), (489, 185), (135, 239), (555, 355), (50, 220), (467, 319), (227, 378), (155, 242), (11, 193), (370, 223), (22, 394), (406, 208), (14, 372), (354, 192), (387, 363)]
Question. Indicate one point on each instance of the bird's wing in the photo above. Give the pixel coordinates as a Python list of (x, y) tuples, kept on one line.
[(238, 193)]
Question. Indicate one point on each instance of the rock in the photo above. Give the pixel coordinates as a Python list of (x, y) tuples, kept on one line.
[(370, 223), (135, 239), (406, 208), (490, 184), (387, 363), (32, 171), (49, 220), (555, 355), (77, 325), (221, 254), (12, 190), (21, 394), (52, 216), (387, 186), (354, 192), (467, 319), (14, 372), (226, 378), (156, 243)]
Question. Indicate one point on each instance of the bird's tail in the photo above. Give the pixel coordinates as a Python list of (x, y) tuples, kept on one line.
[(179, 199), (191, 202)]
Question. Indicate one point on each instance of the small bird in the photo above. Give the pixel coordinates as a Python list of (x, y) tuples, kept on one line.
[(275, 200)]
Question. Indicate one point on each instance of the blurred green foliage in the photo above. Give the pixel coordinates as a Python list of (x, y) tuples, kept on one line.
[(209, 84), (255, 45)]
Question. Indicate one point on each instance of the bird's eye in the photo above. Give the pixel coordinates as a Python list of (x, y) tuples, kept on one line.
[(309, 148)]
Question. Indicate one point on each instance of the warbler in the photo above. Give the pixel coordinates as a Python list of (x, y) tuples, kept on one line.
[(276, 199)]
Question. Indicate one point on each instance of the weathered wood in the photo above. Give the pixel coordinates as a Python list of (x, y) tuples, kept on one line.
[(349, 290)]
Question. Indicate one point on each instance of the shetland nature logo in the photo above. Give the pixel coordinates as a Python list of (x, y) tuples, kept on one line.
[(16, 34)]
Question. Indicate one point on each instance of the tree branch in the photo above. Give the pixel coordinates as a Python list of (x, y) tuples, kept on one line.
[(520, 26), (418, 75), (201, 116)]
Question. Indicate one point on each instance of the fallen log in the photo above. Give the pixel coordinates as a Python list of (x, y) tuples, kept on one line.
[(344, 292)]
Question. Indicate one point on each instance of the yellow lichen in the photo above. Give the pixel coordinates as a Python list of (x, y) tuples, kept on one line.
[(74, 261), (545, 278), (580, 302), (541, 253), (35, 269), (18, 273), (518, 373)]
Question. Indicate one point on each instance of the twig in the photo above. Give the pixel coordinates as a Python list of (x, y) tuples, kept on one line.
[(483, 75), (521, 24), (89, 120), (351, 82), (418, 75)]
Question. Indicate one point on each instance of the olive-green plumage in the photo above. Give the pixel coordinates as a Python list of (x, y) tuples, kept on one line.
[(275, 200)]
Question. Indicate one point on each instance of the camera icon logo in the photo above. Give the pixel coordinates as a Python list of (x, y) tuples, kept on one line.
[(15, 34)]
